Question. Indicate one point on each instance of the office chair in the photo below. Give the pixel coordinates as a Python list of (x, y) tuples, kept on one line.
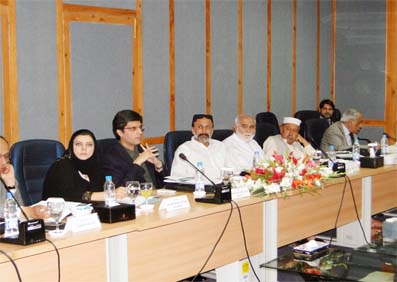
[(336, 115), (173, 139), (264, 130), (306, 114), (313, 130), (267, 117), (31, 160), (103, 145)]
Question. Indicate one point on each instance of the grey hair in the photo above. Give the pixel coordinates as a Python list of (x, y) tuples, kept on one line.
[(238, 117), (350, 114)]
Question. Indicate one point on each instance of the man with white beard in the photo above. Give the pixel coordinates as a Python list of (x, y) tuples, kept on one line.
[(240, 146), (201, 148)]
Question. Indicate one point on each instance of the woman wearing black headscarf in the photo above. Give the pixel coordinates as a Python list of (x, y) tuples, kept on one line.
[(78, 175)]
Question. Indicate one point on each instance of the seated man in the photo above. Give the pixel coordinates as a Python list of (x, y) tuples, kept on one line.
[(128, 159), (8, 180), (342, 133), (240, 146), (326, 109), (288, 141), (201, 148)]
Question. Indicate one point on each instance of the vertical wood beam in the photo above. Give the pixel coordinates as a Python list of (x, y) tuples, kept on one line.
[(391, 69), (172, 64), (293, 94), (208, 56), (61, 58), (318, 53), (269, 56), (137, 61), (10, 74), (333, 33), (240, 58)]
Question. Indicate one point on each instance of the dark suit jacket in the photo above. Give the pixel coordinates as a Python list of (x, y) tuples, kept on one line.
[(118, 164), (334, 135)]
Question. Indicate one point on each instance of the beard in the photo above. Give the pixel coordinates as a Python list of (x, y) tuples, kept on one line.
[(247, 137), (203, 138)]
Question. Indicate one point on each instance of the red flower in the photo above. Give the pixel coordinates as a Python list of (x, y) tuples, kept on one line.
[(259, 170)]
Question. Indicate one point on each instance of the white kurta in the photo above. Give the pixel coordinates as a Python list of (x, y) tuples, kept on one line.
[(212, 157), (240, 152), (276, 144)]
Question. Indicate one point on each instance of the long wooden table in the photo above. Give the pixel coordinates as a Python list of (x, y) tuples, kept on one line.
[(158, 246), (169, 246)]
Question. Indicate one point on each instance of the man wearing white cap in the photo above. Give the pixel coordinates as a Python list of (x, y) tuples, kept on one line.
[(288, 141)]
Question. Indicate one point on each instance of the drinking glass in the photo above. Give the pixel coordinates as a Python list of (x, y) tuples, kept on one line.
[(133, 188), (226, 174), (55, 209), (146, 191)]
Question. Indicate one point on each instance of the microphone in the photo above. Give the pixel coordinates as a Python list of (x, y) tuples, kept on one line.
[(223, 193), (30, 231), (364, 139), (183, 157), (337, 166)]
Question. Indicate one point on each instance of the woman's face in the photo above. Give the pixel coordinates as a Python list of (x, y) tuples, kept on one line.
[(83, 147)]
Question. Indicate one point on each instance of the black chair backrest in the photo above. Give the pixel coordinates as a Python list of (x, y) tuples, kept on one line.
[(103, 145), (264, 130), (173, 139), (336, 115), (314, 130), (306, 114), (31, 160), (267, 117)]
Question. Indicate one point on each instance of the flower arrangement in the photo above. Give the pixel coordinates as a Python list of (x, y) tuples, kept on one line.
[(285, 172)]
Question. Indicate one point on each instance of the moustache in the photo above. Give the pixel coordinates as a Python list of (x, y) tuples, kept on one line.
[(203, 135)]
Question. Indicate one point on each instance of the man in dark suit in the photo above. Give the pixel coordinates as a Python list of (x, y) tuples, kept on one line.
[(128, 159), (326, 109), (342, 133)]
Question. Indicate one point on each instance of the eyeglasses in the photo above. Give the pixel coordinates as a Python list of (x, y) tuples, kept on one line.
[(5, 156), (135, 128)]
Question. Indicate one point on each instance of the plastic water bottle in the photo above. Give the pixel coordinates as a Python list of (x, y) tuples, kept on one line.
[(256, 159), (332, 155), (199, 181), (109, 192), (10, 217), (356, 151), (384, 145)]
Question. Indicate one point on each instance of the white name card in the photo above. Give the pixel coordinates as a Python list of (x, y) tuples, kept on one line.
[(241, 192), (175, 203), (83, 222)]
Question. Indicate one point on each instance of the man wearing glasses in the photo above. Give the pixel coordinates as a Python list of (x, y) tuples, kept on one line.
[(8, 179), (342, 133), (128, 159), (201, 148)]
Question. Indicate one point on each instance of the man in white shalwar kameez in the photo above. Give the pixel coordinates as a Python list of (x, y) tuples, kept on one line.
[(288, 141), (240, 146), (201, 148)]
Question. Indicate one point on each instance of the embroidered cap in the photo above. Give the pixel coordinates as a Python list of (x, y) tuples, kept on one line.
[(292, 120)]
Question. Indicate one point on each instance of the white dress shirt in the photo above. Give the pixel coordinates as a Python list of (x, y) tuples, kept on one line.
[(212, 157), (240, 152), (277, 144)]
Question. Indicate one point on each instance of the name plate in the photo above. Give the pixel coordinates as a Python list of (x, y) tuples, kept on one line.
[(175, 203), (241, 192), (83, 222)]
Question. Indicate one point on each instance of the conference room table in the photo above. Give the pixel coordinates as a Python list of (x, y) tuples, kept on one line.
[(170, 246)]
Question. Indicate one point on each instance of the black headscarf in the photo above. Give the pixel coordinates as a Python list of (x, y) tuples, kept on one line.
[(89, 166)]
